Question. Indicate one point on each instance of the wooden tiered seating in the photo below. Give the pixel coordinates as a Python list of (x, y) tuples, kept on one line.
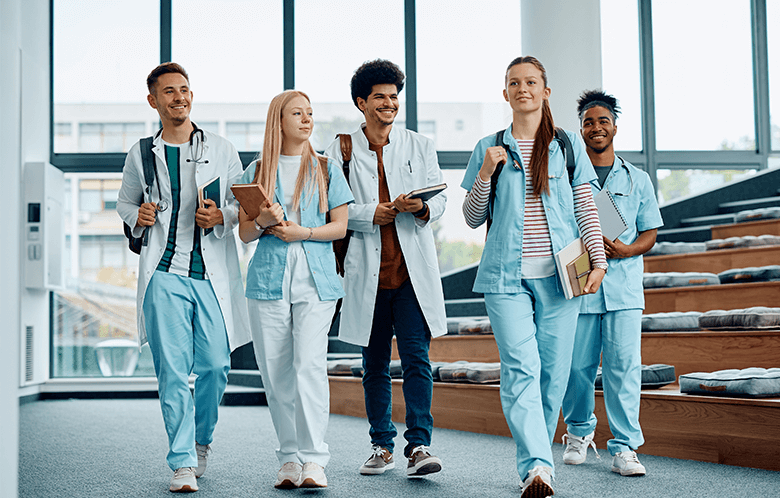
[(714, 261), (761, 227), (712, 297)]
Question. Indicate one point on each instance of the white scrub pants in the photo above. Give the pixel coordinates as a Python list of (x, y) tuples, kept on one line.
[(186, 334), (291, 344), (534, 330), (615, 336)]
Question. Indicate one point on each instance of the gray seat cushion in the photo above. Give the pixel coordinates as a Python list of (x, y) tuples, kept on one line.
[(678, 279), (455, 323), (755, 318), (475, 327), (475, 373), (767, 213), (751, 274), (343, 366), (664, 248), (746, 241), (396, 372), (653, 376), (747, 383), (673, 321)]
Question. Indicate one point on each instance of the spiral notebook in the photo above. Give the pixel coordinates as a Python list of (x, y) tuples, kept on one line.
[(612, 222)]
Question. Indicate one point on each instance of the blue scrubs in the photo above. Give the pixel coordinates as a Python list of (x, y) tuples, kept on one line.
[(610, 324), (532, 322)]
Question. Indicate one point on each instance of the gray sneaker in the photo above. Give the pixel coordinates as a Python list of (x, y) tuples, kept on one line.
[(626, 463), (289, 476), (380, 460), (184, 481), (422, 463), (313, 476), (538, 484), (203, 456)]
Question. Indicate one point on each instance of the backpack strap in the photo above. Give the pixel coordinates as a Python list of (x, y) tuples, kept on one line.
[(147, 160), (494, 177), (345, 141), (568, 151)]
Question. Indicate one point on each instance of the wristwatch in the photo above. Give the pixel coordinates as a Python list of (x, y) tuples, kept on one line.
[(602, 266), (258, 227), (422, 211)]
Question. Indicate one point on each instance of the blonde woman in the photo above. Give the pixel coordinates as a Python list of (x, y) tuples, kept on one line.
[(292, 285)]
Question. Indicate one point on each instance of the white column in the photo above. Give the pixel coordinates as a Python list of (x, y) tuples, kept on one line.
[(565, 35)]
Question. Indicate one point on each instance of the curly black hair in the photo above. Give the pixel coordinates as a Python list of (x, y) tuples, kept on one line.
[(591, 98), (376, 72)]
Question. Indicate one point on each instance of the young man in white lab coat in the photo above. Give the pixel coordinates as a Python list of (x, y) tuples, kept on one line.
[(191, 307), (392, 281)]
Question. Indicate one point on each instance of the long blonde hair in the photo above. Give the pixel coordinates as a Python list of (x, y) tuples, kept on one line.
[(310, 175)]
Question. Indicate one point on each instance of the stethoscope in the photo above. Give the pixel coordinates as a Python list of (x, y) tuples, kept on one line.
[(197, 149), (630, 179)]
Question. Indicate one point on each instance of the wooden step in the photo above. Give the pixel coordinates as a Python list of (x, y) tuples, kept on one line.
[(714, 261), (712, 297), (708, 351), (729, 431), (757, 228), (697, 351)]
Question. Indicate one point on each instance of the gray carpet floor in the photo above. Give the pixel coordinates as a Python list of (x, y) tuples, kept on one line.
[(117, 448)]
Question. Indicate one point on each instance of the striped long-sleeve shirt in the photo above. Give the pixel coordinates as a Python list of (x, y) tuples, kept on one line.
[(536, 233)]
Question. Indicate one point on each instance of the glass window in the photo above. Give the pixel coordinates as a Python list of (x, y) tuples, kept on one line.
[(703, 75), (620, 68), (95, 332), (773, 34), (102, 55), (450, 35), (232, 50), (679, 183), (334, 38), (457, 244), (246, 136)]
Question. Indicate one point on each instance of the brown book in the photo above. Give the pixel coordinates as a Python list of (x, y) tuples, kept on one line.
[(579, 269), (573, 264), (251, 196)]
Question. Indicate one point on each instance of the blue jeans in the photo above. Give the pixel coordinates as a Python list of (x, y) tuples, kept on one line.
[(397, 310)]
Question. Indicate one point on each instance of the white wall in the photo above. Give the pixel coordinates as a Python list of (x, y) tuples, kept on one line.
[(24, 128), (565, 35)]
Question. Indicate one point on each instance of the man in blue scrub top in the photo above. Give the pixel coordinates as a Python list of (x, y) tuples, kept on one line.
[(191, 307), (610, 322)]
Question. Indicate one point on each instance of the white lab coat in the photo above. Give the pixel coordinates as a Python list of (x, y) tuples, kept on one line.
[(410, 163), (219, 250)]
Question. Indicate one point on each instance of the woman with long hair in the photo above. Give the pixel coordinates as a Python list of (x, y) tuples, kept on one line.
[(533, 213), (292, 286)]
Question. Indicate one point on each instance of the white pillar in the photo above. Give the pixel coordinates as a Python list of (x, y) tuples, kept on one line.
[(565, 35)]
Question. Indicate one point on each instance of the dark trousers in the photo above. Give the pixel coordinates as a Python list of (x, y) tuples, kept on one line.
[(397, 311)]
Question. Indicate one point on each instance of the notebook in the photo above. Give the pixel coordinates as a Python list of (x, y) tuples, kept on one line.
[(426, 193), (209, 190), (251, 196), (611, 219), (573, 264)]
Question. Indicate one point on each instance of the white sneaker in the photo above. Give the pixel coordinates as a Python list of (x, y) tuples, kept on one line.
[(313, 476), (538, 484), (184, 481), (626, 463), (203, 456), (289, 476), (577, 448)]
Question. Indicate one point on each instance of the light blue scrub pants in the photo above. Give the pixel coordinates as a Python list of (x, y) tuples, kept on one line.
[(186, 333), (534, 330), (616, 337)]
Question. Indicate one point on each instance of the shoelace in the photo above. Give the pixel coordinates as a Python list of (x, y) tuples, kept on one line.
[(203, 451), (577, 442), (378, 450), (418, 449), (183, 472), (629, 456)]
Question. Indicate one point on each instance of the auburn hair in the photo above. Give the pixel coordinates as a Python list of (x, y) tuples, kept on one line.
[(310, 174), (540, 154)]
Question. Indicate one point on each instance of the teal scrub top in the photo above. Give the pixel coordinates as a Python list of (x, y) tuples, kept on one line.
[(500, 270), (622, 285), (266, 269)]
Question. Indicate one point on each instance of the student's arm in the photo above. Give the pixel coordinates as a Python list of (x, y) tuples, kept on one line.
[(643, 243), (335, 229)]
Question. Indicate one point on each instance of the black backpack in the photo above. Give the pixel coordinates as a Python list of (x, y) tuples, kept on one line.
[(568, 153), (150, 172)]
